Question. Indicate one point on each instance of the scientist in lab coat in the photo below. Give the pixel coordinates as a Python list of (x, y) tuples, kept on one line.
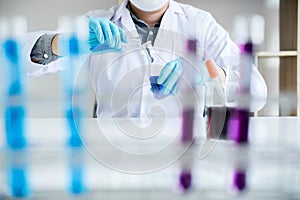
[(121, 78)]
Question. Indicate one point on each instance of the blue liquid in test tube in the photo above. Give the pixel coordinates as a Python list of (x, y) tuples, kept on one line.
[(73, 114), (18, 181), (157, 88), (14, 118)]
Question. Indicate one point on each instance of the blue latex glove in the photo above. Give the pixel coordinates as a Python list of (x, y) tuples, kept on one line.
[(169, 76), (105, 36)]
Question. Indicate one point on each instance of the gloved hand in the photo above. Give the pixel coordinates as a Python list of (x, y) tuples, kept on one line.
[(170, 75), (105, 36)]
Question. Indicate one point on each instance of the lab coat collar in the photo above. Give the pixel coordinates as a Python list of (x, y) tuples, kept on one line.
[(122, 14), (174, 7), (123, 11), (170, 30)]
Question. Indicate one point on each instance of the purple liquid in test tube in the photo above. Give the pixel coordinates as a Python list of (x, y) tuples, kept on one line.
[(239, 122), (187, 125), (185, 180), (185, 177), (238, 125), (187, 134), (239, 180)]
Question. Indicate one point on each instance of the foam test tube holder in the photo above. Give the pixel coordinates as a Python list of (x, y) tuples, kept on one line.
[(12, 64), (73, 89)]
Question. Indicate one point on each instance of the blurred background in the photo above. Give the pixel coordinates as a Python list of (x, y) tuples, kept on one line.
[(272, 162), (43, 15)]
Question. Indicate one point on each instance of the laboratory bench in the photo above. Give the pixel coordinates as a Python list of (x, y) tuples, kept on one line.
[(133, 158)]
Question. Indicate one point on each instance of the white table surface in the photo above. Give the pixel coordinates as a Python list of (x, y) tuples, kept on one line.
[(271, 159)]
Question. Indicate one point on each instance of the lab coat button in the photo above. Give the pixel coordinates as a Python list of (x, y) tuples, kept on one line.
[(46, 56)]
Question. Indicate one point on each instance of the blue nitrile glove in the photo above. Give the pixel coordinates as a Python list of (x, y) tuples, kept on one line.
[(169, 76), (105, 36)]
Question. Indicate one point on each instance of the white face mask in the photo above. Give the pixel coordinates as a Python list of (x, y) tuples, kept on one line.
[(149, 5)]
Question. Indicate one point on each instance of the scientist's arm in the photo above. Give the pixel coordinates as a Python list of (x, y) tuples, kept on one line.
[(43, 51), (54, 46), (35, 55), (101, 32), (171, 72)]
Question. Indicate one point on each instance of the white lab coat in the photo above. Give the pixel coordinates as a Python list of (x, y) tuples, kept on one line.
[(120, 79)]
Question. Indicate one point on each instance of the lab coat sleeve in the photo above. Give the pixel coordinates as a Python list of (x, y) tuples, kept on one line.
[(36, 70), (219, 47)]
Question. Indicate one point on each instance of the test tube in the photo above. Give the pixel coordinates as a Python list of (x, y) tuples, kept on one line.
[(248, 31), (239, 122), (238, 125), (13, 71), (188, 112), (74, 84)]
